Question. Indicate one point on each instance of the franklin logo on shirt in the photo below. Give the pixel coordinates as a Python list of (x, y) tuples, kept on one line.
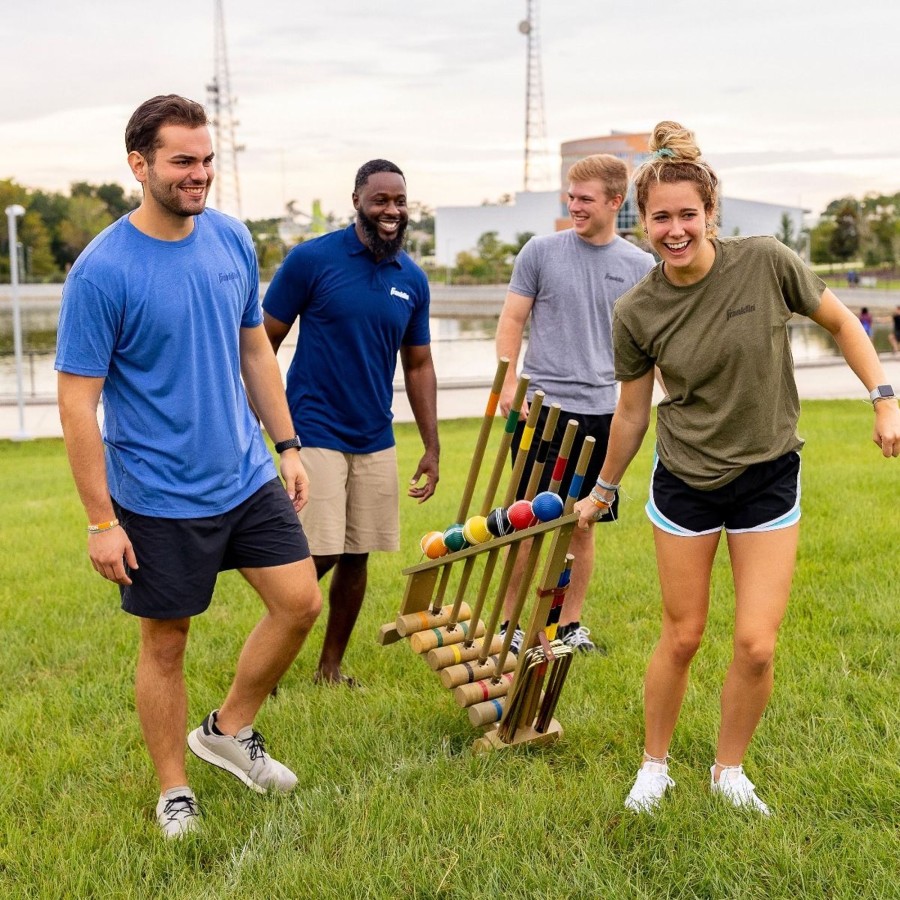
[(228, 276), (740, 311), (401, 294), (618, 278)]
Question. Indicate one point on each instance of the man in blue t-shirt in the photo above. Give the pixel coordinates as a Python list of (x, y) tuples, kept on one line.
[(160, 317), (360, 300)]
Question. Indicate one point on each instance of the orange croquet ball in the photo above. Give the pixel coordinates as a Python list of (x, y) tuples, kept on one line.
[(433, 545), (475, 531)]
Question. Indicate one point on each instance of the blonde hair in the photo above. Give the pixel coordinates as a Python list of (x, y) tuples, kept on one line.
[(605, 168), (676, 157)]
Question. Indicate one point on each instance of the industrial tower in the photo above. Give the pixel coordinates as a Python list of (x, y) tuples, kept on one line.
[(221, 104), (536, 156)]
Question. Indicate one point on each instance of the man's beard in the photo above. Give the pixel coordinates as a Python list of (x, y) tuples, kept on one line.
[(381, 248)]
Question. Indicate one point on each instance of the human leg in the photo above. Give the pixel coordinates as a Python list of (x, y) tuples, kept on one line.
[(763, 567), (292, 600), (684, 565), (345, 598), (161, 697)]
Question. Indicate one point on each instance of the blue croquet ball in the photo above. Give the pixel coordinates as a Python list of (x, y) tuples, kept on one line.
[(453, 538), (498, 522), (547, 506)]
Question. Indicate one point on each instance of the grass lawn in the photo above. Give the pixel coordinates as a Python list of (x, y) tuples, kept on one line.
[(391, 803)]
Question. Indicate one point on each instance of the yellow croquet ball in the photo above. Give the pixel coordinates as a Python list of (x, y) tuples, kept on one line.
[(433, 545), (475, 531)]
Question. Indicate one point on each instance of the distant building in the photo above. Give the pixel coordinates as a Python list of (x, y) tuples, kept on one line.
[(457, 228)]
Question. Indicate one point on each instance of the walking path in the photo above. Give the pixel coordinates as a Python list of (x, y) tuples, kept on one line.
[(830, 380)]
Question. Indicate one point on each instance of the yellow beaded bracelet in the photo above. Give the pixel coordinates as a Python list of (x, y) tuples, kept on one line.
[(103, 526)]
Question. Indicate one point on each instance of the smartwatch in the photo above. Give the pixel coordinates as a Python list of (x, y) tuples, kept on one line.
[(290, 444), (882, 392)]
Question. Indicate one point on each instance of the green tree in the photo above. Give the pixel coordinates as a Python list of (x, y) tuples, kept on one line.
[(86, 217), (844, 244)]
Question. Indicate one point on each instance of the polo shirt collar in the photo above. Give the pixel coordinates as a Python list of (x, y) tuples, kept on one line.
[(355, 247)]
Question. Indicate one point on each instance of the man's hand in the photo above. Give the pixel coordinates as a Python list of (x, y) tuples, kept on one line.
[(296, 481), (428, 467), (507, 395), (110, 551)]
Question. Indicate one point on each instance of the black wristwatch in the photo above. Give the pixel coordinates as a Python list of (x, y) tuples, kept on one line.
[(882, 392), (289, 444)]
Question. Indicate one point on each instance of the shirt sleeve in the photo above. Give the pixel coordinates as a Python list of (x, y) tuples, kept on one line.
[(526, 271), (252, 315), (801, 288), (288, 292), (89, 322), (631, 362)]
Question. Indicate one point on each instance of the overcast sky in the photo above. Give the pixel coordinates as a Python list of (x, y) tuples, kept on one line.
[(793, 101)]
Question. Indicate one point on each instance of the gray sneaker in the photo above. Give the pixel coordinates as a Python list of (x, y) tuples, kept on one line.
[(578, 638), (177, 812), (737, 788), (243, 755)]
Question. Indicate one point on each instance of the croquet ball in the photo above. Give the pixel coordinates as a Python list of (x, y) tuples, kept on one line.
[(498, 522), (547, 506), (475, 531), (454, 539), (433, 545), (521, 515)]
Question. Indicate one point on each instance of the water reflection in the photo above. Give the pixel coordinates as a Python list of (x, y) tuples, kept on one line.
[(463, 351)]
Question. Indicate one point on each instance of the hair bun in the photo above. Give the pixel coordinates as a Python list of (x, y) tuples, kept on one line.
[(675, 138)]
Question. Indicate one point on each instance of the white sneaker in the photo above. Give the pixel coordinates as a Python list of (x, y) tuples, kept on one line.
[(243, 755), (177, 812), (651, 783), (737, 788)]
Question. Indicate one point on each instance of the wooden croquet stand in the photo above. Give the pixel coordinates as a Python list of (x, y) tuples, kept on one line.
[(421, 581)]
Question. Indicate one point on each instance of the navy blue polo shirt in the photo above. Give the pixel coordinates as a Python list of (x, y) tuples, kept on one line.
[(355, 313)]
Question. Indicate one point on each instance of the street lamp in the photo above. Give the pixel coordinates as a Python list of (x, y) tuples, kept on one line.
[(12, 213)]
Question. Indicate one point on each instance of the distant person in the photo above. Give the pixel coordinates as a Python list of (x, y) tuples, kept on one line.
[(360, 300), (160, 316), (894, 335), (865, 319), (563, 287), (713, 315)]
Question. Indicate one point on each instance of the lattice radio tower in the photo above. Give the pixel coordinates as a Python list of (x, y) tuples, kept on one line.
[(536, 156), (221, 104)]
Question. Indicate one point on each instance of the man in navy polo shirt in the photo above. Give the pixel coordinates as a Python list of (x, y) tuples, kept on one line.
[(360, 300)]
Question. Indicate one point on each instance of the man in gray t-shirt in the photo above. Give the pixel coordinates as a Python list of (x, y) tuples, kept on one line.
[(566, 284)]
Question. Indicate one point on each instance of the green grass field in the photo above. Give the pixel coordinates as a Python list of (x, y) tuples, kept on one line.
[(391, 803)]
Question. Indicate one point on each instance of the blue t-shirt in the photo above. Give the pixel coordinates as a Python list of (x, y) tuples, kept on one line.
[(355, 313), (160, 321)]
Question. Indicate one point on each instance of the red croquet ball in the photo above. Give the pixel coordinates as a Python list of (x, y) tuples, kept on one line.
[(521, 515)]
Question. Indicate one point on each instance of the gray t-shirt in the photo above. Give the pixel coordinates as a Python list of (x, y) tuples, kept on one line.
[(574, 285)]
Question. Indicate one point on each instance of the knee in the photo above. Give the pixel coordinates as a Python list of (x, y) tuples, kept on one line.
[(165, 647), (754, 655), (683, 643), (305, 606)]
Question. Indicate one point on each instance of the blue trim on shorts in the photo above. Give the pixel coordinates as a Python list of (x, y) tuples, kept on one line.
[(786, 520)]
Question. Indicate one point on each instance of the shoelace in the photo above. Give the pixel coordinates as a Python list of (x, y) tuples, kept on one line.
[(180, 805), (578, 637), (255, 744)]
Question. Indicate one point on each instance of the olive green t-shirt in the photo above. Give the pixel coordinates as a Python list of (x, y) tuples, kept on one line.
[(723, 348)]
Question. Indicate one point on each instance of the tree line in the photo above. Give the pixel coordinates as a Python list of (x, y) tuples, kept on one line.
[(56, 227)]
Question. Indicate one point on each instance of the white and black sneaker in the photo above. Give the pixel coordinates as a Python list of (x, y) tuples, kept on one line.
[(243, 755), (177, 812), (517, 638), (576, 636)]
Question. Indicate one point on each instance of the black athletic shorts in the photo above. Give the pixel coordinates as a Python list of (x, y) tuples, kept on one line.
[(596, 427), (179, 559), (764, 497)]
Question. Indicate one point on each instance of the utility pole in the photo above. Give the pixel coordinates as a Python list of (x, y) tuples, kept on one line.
[(221, 104)]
